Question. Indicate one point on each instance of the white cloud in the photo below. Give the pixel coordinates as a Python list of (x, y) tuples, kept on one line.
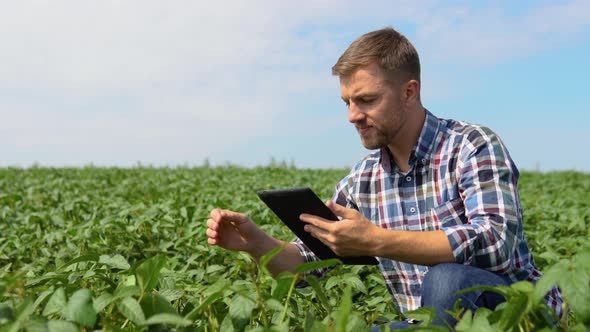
[(475, 35), (118, 81), (188, 72)]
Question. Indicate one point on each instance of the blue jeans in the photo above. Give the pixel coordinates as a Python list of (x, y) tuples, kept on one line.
[(442, 282)]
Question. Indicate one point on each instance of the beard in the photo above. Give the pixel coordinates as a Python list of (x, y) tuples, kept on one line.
[(374, 139), (378, 137)]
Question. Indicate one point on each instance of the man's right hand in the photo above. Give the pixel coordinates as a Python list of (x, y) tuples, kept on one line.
[(236, 231), (232, 230)]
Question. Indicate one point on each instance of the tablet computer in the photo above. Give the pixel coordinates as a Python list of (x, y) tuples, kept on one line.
[(288, 204)]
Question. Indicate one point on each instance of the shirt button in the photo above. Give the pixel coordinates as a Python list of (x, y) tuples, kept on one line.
[(424, 161), (412, 209), (408, 178)]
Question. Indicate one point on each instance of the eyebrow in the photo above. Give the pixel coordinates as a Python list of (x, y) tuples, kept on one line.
[(359, 96)]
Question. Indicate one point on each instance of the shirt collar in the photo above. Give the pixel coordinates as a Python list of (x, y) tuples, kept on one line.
[(422, 149)]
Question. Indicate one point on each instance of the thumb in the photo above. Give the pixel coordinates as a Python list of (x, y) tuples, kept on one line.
[(341, 211)]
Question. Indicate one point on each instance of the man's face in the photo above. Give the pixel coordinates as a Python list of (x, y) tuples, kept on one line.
[(375, 106)]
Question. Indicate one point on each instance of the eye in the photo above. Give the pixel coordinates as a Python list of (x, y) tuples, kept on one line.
[(367, 100)]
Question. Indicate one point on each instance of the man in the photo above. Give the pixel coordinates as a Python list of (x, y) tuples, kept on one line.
[(437, 203)]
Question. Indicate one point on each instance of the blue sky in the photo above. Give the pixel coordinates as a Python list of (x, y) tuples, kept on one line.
[(113, 83)]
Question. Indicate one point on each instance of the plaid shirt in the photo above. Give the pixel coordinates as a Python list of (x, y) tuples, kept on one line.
[(461, 181)]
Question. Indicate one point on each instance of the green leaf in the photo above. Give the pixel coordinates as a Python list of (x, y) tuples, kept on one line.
[(313, 282), (516, 308), (126, 291), (309, 321), (102, 301), (481, 322), (240, 310), (310, 266), (219, 286), (215, 268), (377, 300), (83, 258), (344, 309), (466, 322), (6, 313), (188, 212), (274, 305), (523, 287), (61, 326), (426, 315), (56, 303), (582, 259), (89, 274), (355, 323), (152, 304), (169, 319), (61, 277), (128, 280), (283, 284), (23, 313), (42, 297), (148, 273), (333, 281), (80, 309), (171, 295), (550, 256), (116, 262), (131, 310), (578, 283), (355, 282), (35, 324), (548, 280), (227, 324), (193, 314)]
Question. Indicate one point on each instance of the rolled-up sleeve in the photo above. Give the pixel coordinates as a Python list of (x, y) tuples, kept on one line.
[(488, 187)]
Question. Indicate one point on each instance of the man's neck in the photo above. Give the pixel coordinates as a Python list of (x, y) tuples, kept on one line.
[(407, 138)]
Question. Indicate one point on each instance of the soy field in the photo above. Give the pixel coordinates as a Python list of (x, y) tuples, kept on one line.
[(111, 249)]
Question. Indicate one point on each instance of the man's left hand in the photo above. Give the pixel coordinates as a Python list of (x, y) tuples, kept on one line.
[(353, 235)]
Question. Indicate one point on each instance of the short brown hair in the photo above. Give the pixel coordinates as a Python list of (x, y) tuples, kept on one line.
[(390, 49)]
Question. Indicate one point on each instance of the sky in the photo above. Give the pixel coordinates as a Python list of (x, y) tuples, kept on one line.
[(167, 83)]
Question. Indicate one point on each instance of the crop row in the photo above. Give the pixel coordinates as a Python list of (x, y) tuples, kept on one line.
[(125, 249)]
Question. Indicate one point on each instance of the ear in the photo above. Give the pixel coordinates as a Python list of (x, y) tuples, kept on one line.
[(411, 91)]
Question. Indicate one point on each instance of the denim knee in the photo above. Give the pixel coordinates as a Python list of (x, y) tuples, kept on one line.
[(443, 281)]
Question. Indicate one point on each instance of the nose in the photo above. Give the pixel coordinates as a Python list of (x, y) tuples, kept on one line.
[(354, 114)]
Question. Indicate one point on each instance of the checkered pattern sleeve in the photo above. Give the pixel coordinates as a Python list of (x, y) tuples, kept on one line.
[(487, 181)]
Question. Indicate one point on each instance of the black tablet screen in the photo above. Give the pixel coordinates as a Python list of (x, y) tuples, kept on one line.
[(288, 204)]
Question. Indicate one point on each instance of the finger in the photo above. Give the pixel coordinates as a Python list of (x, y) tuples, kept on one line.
[(322, 235), (211, 233), (215, 214), (212, 241), (211, 224), (316, 232), (316, 221), (341, 211)]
